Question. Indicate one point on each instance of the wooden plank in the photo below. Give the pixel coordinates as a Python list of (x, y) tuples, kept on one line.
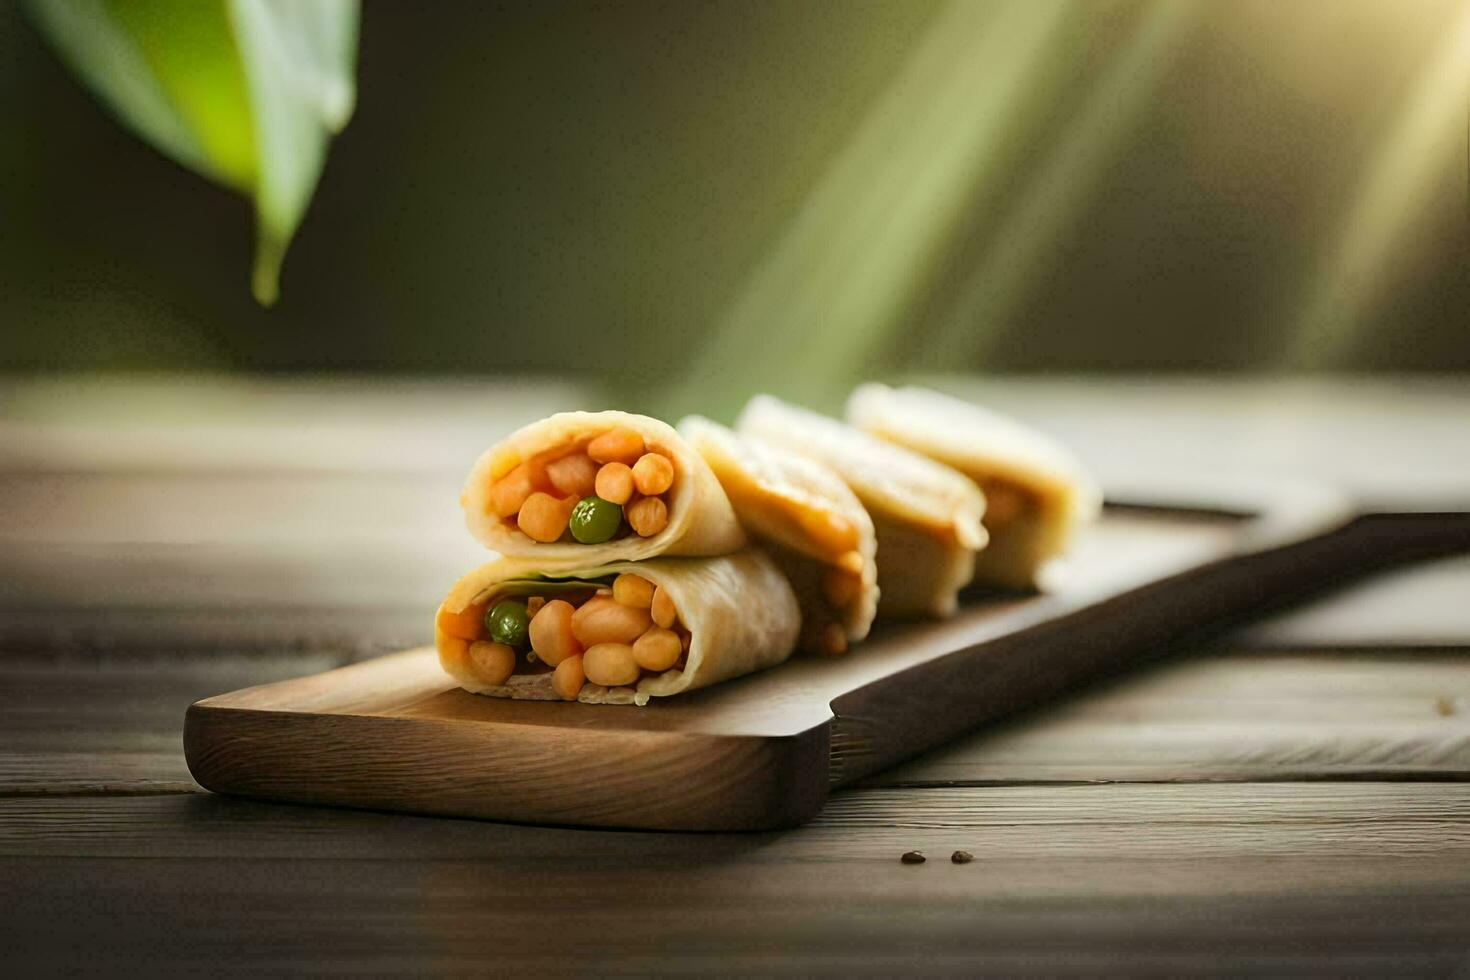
[(90, 725), (1366, 877), (1232, 716), (1422, 605), (251, 918), (1213, 716), (1185, 822), (170, 560), (209, 559)]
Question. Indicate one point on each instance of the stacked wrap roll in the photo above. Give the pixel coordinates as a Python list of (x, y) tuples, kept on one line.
[(735, 606), (740, 612), (701, 521)]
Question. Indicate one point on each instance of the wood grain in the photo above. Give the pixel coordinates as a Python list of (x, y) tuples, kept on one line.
[(95, 724), (176, 917), (1204, 821), (1234, 716), (1210, 714), (1421, 605), (1367, 877)]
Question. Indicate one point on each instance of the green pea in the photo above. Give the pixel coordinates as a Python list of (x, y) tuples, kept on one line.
[(595, 520), (508, 623)]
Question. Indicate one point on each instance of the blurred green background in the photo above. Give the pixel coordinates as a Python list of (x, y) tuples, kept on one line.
[(689, 202)]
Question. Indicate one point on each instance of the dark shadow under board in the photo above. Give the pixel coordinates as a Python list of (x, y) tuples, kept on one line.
[(763, 751)]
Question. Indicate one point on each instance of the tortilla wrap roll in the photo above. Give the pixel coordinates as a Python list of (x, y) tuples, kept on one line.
[(616, 633), (927, 516), (810, 522), (580, 489), (1037, 493)]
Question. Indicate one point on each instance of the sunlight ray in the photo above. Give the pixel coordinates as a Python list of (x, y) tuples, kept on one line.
[(1427, 137), (998, 285), (836, 283)]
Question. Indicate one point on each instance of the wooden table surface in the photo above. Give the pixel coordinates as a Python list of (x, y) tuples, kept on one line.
[(1294, 798)]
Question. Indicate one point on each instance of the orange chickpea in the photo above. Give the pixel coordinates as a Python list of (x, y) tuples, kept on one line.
[(614, 483), (840, 587), (551, 633), (543, 518), (610, 664), (602, 620), (633, 590), (536, 470), (647, 516), (568, 678), (653, 474), (511, 491), (662, 608), (493, 662), (616, 446), (466, 624), (658, 649), (572, 476)]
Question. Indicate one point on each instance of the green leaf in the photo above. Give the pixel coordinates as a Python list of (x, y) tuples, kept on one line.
[(300, 58), (245, 92)]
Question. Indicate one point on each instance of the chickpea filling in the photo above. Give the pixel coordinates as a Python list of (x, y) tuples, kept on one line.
[(1005, 502), (595, 490), (842, 588), (827, 593), (839, 584), (613, 635)]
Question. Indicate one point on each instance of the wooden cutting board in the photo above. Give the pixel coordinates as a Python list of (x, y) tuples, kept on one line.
[(763, 751)]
